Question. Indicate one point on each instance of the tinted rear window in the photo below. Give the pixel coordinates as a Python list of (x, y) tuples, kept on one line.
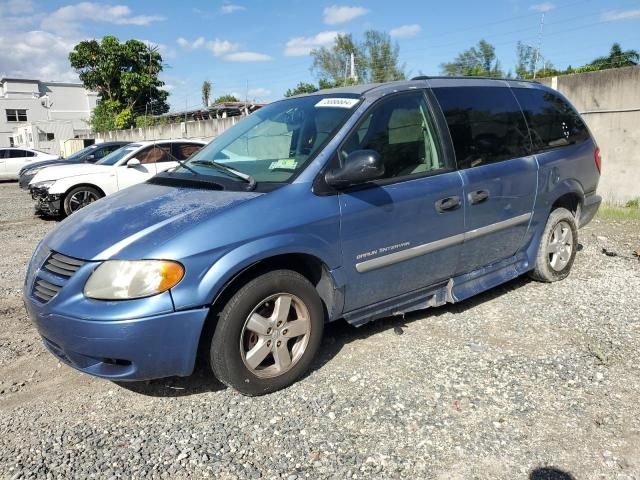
[(551, 121), (486, 124)]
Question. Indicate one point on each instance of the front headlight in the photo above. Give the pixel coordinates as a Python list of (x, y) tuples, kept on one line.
[(45, 185), (122, 279), (31, 171)]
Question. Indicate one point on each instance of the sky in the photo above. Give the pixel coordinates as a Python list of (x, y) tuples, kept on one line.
[(257, 49)]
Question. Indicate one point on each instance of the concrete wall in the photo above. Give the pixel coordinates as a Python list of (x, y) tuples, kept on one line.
[(609, 102), (204, 129)]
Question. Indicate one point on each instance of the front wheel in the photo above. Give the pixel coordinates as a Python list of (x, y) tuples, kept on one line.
[(80, 197), (268, 333), (558, 247)]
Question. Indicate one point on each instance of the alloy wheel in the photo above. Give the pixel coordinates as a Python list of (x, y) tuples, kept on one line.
[(275, 335), (560, 246)]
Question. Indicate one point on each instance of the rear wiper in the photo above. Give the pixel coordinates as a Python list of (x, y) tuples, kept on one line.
[(232, 171)]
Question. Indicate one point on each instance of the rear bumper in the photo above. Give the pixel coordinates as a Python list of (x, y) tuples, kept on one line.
[(138, 349), (589, 208)]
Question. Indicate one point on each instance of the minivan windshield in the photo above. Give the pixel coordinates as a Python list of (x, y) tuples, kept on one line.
[(276, 142), (117, 155)]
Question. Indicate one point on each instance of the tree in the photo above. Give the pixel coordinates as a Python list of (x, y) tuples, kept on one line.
[(125, 73), (375, 59), (526, 60), (381, 58), (225, 98), (616, 58), (477, 61), (206, 92), (301, 88)]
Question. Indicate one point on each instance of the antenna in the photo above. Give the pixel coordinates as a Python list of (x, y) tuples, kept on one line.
[(539, 49)]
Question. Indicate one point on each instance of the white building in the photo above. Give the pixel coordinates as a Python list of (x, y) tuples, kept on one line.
[(41, 115)]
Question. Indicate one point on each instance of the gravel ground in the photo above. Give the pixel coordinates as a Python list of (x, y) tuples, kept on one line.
[(523, 378)]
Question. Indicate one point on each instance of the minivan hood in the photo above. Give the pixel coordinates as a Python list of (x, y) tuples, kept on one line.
[(57, 172), (134, 221)]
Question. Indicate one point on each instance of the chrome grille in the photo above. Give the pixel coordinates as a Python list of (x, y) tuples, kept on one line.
[(62, 265), (44, 290)]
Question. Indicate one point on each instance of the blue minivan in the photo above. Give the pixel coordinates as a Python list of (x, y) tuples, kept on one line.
[(352, 203)]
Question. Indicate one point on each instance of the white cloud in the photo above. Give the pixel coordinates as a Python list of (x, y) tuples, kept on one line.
[(341, 14), (247, 57), (300, 46), (259, 93), (186, 44), (70, 17), (615, 15), (16, 7), (36, 54), (405, 31), (221, 47), (231, 8), (542, 7)]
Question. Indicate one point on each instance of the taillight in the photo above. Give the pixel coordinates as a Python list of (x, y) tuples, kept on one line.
[(598, 159)]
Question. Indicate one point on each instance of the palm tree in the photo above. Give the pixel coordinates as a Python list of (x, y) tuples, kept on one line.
[(617, 58)]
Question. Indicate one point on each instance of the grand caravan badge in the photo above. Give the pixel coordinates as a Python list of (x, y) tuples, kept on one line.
[(377, 251)]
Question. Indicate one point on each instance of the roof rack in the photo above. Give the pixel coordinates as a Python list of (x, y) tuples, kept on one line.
[(462, 77)]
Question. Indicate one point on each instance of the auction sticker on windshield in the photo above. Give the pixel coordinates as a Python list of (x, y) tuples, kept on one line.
[(337, 102)]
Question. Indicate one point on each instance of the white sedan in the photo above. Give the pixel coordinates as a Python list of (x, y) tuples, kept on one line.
[(13, 159), (66, 188)]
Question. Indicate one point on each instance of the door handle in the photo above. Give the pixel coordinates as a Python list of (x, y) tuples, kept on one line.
[(478, 196), (448, 204)]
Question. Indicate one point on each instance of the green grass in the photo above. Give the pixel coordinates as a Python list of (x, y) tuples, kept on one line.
[(631, 211)]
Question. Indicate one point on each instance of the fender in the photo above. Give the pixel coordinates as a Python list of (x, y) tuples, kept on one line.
[(550, 190), (233, 262)]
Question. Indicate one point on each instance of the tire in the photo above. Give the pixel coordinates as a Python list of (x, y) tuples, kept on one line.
[(557, 249), (79, 197), (248, 346)]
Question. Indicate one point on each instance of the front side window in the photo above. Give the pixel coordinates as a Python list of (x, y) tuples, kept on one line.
[(276, 142), (486, 124), (552, 122), (16, 115), (402, 131)]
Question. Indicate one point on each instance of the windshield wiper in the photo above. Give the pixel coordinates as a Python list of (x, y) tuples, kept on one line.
[(183, 164), (231, 171)]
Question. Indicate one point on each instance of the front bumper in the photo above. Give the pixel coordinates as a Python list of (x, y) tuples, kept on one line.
[(589, 208), (137, 349), (46, 203), (25, 179)]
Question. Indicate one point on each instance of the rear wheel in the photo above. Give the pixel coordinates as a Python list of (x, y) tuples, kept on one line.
[(268, 333), (558, 247), (80, 197)]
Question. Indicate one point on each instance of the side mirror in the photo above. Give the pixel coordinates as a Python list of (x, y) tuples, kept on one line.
[(360, 166), (90, 158), (133, 162)]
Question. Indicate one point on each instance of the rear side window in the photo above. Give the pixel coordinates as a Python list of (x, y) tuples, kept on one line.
[(551, 121), (486, 124), (182, 151)]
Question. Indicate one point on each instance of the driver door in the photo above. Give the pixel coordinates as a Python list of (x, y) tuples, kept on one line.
[(404, 231), (148, 158)]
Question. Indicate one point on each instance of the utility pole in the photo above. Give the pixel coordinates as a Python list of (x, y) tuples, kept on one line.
[(354, 75), (539, 49)]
